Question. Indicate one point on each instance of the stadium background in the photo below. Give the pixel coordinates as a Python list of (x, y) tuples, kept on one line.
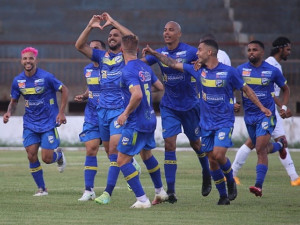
[(53, 27)]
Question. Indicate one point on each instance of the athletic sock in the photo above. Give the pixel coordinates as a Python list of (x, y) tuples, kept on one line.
[(154, 171), (37, 174), (170, 170), (219, 180), (203, 159), (261, 171), (113, 173), (56, 156), (289, 165), (276, 147), (240, 159), (132, 178), (90, 171), (227, 171)]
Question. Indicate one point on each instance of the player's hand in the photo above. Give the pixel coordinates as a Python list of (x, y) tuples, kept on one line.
[(6, 117), (108, 20), (285, 113), (266, 111), (95, 22), (197, 65), (122, 119), (61, 119), (236, 107), (79, 98), (147, 50)]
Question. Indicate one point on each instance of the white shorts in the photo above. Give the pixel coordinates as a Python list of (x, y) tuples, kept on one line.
[(279, 129)]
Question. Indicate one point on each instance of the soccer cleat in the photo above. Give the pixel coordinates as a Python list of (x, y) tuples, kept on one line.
[(87, 195), (256, 190), (206, 186), (232, 191), (172, 198), (296, 182), (138, 168), (282, 151), (61, 163), (224, 201), (237, 180), (141, 205), (162, 196), (41, 192), (103, 199)]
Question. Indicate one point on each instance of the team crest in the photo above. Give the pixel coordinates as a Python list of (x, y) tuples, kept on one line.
[(116, 125), (221, 136), (50, 139), (219, 83), (125, 141), (264, 81), (264, 125), (197, 130)]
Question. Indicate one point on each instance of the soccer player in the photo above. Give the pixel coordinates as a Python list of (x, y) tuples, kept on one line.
[(261, 77), (281, 49), (111, 100), (139, 122), (90, 134), (179, 107), (38, 87), (217, 83)]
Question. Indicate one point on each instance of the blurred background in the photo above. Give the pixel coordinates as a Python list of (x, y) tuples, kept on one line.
[(53, 27)]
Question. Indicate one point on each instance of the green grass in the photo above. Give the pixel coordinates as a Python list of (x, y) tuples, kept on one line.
[(280, 203)]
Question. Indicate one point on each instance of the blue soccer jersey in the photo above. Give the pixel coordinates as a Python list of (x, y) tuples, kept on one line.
[(181, 92), (92, 75), (217, 87), (136, 72), (261, 79), (111, 96), (39, 92)]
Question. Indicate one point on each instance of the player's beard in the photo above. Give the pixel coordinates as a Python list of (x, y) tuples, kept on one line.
[(115, 47), (28, 69), (253, 60)]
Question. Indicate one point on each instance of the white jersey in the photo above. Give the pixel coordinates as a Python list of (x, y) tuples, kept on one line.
[(223, 58), (271, 60), (279, 130)]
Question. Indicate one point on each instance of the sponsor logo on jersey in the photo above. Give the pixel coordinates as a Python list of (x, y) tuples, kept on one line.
[(265, 125), (221, 75), (203, 73), (21, 83), (144, 76), (125, 140), (103, 74), (221, 136), (181, 54), (88, 72), (197, 130), (266, 73), (39, 82), (246, 72)]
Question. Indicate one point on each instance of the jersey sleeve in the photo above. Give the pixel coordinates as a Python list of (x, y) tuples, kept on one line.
[(55, 83), (97, 55), (15, 93), (153, 77), (189, 68), (236, 79), (151, 59)]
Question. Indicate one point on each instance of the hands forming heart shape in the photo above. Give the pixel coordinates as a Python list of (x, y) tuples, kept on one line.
[(97, 19)]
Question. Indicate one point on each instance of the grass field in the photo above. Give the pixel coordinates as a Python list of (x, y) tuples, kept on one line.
[(280, 203)]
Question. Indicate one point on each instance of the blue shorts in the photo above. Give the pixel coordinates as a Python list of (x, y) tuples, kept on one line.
[(132, 141), (108, 125), (264, 126), (89, 132), (47, 140), (218, 138), (172, 121)]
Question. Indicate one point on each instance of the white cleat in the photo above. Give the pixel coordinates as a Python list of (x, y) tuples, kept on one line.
[(87, 195), (61, 163), (141, 205), (41, 192), (162, 196)]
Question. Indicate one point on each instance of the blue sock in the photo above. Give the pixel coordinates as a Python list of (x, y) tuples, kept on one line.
[(90, 170), (204, 163), (276, 147), (261, 171), (56, 156), (170, 170), (227, 171), (154, 171), (218, 177), (131, 175), (113, 173), (37, 174)]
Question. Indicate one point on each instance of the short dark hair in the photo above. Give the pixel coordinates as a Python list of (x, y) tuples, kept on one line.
[(208, 36), (278, 43), (103, 45), (211, 43), (257, 42)]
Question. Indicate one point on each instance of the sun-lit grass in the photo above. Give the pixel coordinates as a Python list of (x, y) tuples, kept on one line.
[(280, 203)]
